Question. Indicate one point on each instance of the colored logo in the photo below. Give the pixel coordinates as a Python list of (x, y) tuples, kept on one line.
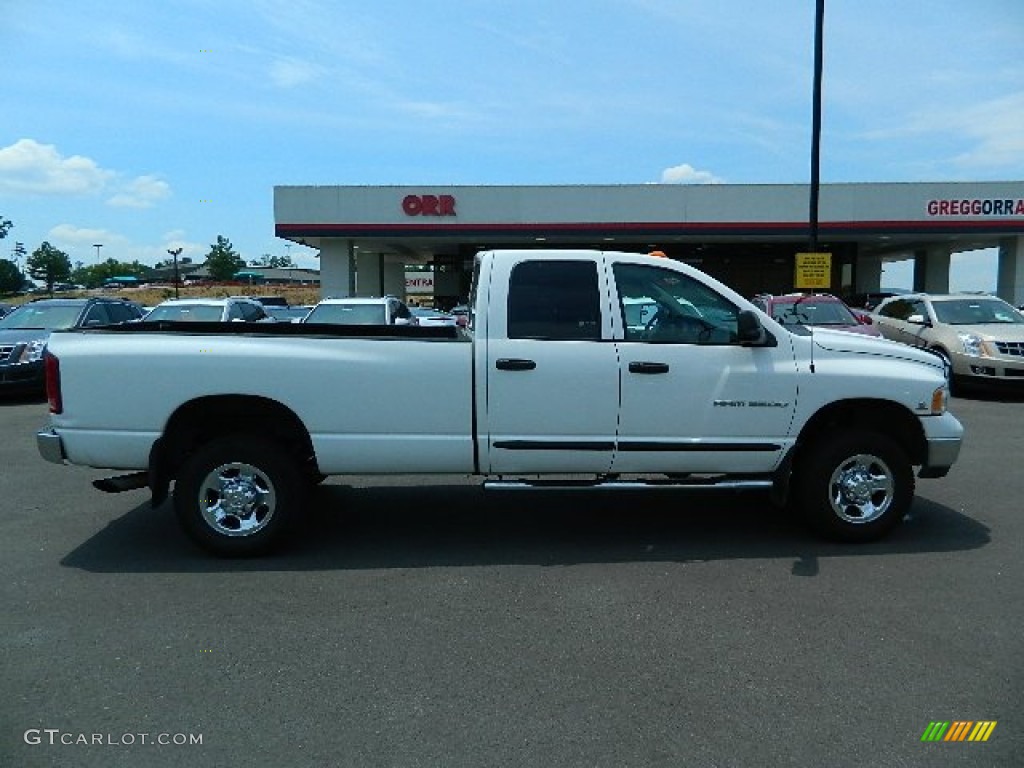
[(959, 730)]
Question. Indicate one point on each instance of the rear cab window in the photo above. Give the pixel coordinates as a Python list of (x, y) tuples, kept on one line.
[(555, 300)]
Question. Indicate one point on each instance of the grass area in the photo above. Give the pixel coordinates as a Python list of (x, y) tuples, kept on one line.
[(149, 296)]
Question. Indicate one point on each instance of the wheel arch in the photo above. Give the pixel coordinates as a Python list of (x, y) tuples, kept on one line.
[(196, 422), (883, 416)]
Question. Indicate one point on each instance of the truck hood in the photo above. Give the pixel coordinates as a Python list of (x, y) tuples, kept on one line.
[(859, 344)]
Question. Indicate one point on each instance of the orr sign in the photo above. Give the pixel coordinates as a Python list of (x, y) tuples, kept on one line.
[(429, 205)]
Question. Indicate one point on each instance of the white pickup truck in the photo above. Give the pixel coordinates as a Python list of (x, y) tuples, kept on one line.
[(554, 383)]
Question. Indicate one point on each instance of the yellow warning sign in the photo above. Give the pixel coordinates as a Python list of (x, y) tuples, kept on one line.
[(813, 270)]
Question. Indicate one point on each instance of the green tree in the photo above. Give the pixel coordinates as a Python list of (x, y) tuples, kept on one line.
[(97, 274), (223, 261), (274, 262), (5, 227), (11, 279), (49, 264)]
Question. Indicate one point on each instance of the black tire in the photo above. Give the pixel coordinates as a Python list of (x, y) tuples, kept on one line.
[(239, 496), (855, 486)]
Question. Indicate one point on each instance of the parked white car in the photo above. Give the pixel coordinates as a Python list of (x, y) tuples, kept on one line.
[(209, 310), (361, 311)]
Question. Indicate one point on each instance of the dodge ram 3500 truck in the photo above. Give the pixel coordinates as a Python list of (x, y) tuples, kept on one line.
[(617, 370)]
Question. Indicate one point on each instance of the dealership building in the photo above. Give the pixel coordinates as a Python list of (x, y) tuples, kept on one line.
[(754, 238)]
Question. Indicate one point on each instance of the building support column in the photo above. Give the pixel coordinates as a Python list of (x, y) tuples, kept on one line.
[(931, 270), (868, 275), (1010, 270), (369, 275), (336, 268), (394, 277)]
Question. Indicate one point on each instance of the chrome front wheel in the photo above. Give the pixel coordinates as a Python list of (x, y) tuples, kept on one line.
[(861, 489), (856, 485)]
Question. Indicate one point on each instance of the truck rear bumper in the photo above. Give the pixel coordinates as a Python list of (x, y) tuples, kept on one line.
[(50, 446)]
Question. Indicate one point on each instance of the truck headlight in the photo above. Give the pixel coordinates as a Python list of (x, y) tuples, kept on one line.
[(974, 345), (33, 351)]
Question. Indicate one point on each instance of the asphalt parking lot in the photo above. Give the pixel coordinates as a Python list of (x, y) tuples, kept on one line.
[(437, 625)]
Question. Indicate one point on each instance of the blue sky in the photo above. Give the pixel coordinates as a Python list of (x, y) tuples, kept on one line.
[(148, 125)]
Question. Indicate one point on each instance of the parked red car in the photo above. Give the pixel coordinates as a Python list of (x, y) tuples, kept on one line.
[(815, 309)]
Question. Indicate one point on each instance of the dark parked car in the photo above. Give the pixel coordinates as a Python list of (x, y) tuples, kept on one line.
[(287, 314), (25, 331), (461, 312), (270, 301), (872, 299)]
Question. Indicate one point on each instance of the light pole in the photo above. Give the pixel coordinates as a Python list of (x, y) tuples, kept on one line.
[(175, 252), (819, 25), (97, 246)]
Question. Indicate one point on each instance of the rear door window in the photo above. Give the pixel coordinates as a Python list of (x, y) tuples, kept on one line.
[(556, 300)]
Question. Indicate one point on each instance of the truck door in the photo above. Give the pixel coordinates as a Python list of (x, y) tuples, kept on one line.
[(552, 388), (693, 398)]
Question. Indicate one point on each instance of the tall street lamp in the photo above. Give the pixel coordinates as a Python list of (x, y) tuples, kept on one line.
[(174, 253), (819, 23), (97, 246)]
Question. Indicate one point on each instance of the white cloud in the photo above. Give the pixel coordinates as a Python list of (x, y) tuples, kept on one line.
[(142, 192), (687, 174), (30, 167), (80, 243), (998, 128), (288, 73), (70, 235)]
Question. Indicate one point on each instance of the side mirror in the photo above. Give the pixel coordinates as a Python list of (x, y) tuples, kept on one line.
[(750, 332)]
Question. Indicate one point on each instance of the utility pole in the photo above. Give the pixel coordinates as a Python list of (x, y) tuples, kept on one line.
[(819, 25)]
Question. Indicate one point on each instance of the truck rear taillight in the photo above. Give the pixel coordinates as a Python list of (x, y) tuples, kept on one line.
[(52, 368)]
